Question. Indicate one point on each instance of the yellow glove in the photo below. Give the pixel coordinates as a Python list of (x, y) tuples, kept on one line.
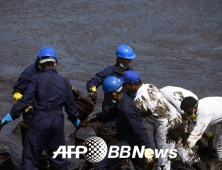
[(93, 88), (149, 154), (29, 110), (17, 96)]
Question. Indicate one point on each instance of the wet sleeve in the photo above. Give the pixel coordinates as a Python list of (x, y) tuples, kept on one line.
[(21, 83), (70, 105), (133, 116), (97, 80), (26, 100), (202, 123)]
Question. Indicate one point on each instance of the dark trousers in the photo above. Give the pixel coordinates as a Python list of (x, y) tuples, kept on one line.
[(106, 163), (46, 131)]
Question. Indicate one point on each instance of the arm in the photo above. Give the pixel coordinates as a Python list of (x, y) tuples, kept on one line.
[(26, 100), (97, 80), (101, 116), (107, 116), (202, 123)]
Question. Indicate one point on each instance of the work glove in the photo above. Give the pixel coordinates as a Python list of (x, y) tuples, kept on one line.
[(93, 94), (29, 110), (91, 119), (76, 93), (5, 120), (78, 124), (148, 155), (17, 96)]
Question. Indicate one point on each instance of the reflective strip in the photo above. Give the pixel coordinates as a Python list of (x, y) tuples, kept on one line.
[(119, 89), (46, 60)]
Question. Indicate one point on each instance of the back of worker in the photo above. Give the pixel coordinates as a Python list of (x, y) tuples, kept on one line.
[(175, 95)]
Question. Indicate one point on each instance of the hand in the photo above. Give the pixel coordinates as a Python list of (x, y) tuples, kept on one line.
[(29, 110), (90, 119), (17, 96), (76, 93), (148, 153), (93, 94), (78, 124), (5, 120)]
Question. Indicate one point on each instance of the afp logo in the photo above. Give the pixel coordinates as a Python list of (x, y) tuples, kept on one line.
[(94, 150)]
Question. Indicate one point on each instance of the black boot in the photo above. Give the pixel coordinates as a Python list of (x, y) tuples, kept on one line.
[(199, 166)]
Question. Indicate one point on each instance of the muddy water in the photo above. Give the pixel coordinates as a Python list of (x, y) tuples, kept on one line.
[(177, 43)]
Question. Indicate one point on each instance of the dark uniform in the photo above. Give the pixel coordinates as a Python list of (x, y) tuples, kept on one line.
[(130, 131), (98, 81), (21, 84), (49, 92)]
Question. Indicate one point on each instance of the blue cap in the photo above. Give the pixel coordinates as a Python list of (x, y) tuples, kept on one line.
[(130, 76)]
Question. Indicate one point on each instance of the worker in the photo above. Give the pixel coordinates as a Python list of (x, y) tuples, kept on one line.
[(21, 85), (167, 121), (130, 130), (125, 55), (47, 92), (208, 114)]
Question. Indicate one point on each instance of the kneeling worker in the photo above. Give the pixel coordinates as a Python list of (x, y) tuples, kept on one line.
[(130, 130)]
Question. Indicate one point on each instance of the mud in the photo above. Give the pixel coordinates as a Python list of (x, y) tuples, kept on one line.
[(176, 131), (177, 43)]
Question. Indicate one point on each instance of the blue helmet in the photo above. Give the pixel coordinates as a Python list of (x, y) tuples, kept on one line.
[(47, 51), (125, 51), (111, 83)]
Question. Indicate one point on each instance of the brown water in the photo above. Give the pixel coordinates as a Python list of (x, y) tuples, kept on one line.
[(177, 43)]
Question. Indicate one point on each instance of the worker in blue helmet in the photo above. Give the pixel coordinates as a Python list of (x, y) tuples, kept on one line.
[(48, 93), (130, 130), (21, 84), (125, 55)]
